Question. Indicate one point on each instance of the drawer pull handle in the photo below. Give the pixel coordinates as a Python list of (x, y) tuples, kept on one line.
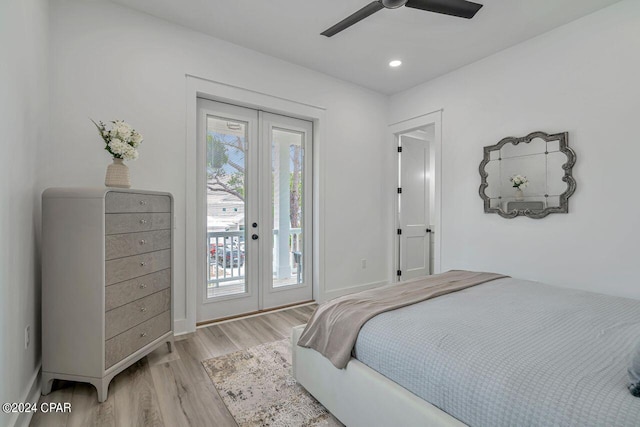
[(143, 202), (143, 242), (142, 335), (143, 285), (142, 264), (143, 221), (143, 309)]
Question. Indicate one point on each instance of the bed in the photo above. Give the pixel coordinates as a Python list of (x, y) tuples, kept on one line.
[(503, 353)]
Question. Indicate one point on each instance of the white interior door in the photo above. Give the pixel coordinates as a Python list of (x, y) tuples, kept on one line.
[(254, 209), (414, 211)]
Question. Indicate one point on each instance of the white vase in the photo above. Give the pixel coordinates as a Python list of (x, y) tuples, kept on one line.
[(519, 195), (117, 175)]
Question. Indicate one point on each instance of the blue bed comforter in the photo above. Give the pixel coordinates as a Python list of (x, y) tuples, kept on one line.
[(512, 353)]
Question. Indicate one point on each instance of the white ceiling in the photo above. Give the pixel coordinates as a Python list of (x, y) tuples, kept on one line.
[(428, 44)]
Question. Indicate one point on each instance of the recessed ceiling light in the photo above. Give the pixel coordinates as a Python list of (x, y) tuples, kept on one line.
[(395, 63)]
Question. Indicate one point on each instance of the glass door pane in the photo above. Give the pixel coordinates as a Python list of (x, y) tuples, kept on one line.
[(287, 178), (226, 150)]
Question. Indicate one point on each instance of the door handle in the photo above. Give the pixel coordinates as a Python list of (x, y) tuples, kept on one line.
[(254, 236)]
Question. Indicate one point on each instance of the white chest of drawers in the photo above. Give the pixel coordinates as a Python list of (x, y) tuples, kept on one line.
[(107, 282)]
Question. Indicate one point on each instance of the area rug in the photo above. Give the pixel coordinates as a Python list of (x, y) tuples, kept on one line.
[(257, 386)]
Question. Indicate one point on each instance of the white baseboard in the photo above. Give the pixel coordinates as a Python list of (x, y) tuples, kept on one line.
[(32, 395), (335, 293)]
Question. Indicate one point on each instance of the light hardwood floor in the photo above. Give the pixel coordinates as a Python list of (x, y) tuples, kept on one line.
[(170, 389)]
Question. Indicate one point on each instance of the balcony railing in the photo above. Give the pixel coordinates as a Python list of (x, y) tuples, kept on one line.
[(226, 260)]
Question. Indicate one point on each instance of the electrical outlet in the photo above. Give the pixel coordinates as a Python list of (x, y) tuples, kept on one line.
[(364, 263), (27, 336)]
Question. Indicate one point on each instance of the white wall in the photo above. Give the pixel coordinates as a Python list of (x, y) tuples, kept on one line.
[(581, 78), (23, 127), (110, 62)]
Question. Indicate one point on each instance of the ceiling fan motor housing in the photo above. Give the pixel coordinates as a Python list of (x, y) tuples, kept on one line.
[(393, 4)]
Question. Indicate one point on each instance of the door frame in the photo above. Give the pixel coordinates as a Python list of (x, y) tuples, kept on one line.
[(198, 87), (395, 130)]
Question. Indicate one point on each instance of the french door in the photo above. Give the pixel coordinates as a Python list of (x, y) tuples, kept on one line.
[(254, 210)]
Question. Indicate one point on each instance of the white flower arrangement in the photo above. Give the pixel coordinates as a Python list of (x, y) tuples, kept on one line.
[(121, 140), (519, 181)]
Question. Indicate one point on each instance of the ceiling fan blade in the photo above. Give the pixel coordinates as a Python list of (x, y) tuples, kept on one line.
[(459, 8), (368, 10)]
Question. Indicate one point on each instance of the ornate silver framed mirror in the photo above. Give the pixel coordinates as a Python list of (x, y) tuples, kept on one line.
[(529, 176)]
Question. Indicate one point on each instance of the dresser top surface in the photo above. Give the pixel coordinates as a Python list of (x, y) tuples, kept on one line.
[(93, 193)]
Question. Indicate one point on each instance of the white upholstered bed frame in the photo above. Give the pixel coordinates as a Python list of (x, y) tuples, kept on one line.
[(360, 396)]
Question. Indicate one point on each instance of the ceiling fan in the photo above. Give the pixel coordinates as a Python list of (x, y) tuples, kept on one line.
[(459, 8)]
